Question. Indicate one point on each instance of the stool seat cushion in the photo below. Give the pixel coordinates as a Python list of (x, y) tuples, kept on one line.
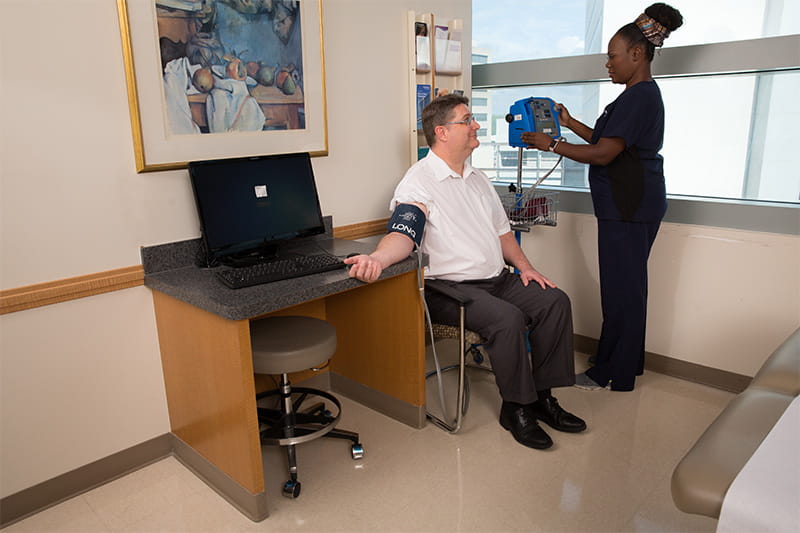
[(285, 344)]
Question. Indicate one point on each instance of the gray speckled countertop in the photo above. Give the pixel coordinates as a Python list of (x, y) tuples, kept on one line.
[(172, 269)]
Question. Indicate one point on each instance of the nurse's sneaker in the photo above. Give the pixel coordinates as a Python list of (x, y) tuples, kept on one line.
[(582, 381)]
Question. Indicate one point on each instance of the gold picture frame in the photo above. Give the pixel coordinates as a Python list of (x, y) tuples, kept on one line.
[(301, 125)]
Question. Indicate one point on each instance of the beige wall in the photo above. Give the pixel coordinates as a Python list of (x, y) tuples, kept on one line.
[(81, 380), (717, 297)]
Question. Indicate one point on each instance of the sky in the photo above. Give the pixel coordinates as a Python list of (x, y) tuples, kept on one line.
[(534, 29), (517, 29)]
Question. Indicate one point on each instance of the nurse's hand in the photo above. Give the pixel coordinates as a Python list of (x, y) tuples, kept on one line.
[(540, 141), (564, 118)]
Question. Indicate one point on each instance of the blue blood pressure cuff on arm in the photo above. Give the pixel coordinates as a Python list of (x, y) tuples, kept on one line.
[(409, 220)]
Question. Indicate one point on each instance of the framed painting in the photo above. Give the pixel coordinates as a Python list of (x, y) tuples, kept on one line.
[(214, 79)]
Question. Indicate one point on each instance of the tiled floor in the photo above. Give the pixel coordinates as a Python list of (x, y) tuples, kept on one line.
[(613, 477)]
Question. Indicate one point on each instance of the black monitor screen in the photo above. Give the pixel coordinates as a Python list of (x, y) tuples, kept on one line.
[(249, 204)]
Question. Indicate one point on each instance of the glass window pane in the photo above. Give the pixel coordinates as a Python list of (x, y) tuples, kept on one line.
[(724, 135), (499, 160), (512, 30)]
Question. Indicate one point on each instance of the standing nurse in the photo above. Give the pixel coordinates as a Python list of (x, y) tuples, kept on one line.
[(626, 178)]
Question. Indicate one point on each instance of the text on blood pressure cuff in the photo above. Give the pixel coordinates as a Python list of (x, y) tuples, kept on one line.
[(409, 220)]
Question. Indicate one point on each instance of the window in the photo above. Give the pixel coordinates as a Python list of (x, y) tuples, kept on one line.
[(723, 135), (729, 105), (512, 30)]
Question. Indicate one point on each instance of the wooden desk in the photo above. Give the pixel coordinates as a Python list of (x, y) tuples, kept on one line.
[(204, 336)]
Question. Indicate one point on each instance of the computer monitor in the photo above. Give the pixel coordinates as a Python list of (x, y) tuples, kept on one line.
[(249, 206)]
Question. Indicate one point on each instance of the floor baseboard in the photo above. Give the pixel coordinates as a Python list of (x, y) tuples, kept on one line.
[(48, 493), (713, 377)]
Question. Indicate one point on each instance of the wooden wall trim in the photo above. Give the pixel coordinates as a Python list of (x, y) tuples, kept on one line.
[(361, 230), (52, 292)]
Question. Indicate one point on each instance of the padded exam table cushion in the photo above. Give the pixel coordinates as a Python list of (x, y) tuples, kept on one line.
[(704, 475), (781, 372), (706, 472)]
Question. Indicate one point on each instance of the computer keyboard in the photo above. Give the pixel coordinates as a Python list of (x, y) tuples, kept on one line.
[(237, 278)]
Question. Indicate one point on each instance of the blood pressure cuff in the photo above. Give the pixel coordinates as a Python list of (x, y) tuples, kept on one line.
[(409, 220)]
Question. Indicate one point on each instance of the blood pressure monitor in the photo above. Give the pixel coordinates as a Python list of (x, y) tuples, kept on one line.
[(532, 114)]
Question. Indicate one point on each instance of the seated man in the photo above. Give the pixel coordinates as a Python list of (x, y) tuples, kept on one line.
[(452, 211)]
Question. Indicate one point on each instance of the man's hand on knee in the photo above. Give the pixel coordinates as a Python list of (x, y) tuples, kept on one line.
[(533, 275)]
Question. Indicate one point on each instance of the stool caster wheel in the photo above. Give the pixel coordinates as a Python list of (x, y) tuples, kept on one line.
[(357, 451), (291, 489)]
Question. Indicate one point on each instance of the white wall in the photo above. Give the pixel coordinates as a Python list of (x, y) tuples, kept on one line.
[(81, 380)]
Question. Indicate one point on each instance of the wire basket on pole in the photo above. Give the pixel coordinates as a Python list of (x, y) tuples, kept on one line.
[(531, 207), (526, 208)]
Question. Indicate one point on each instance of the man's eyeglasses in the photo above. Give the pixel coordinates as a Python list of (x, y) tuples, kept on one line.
[(467, 121)]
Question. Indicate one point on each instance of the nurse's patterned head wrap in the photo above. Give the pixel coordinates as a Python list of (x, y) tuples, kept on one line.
[(652, 29)]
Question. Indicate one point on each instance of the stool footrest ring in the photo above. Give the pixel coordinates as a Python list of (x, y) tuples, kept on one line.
[(307, 426)]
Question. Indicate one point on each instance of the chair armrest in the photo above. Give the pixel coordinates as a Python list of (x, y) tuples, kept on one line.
[(447, 290)]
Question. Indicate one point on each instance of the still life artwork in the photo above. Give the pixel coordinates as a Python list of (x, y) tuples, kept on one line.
[(231, 65), (204, 73)]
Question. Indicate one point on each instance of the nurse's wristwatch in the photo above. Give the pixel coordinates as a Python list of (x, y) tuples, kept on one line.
[(553, 144)]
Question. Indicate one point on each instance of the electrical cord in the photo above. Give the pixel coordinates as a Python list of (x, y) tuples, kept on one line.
[(560, 157), (540, 180), (437, 365), (421, 286), (513, 188)]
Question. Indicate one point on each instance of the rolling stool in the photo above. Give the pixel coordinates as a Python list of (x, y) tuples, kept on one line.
[(285, 344)]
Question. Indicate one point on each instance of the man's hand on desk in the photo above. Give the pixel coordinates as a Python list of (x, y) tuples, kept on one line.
[(392, 248), (364, 267)]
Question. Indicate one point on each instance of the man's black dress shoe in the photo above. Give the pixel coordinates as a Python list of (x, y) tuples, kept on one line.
[(519, 420), (548, 411)]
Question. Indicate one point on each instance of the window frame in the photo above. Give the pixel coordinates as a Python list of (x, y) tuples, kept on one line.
[(768, 54)]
